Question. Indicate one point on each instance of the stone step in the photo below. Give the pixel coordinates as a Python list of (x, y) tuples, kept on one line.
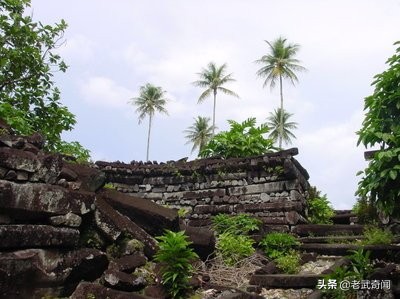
[(343, 218), (285, 281), (304, 230), (377, 251), (331, 239)]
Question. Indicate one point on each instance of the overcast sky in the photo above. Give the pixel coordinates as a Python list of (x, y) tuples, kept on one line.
[(114, 47)]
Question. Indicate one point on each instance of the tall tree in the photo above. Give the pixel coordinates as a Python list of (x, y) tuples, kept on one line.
[(200, 133), (275, 120), (213, 78), (151, 99), (280, 63), (29, 100), (380, 184)]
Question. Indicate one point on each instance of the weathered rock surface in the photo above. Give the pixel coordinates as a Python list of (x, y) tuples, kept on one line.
[(30, 201), (91, 179), (28, 236), (112, 224), (98, 291), (203, 240), (128, 263), (141, 210), (23, 271), (123, 281), (69, 219)]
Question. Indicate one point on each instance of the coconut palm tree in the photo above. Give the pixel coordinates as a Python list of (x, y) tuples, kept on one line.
[(199, 133), (275, 120), (280, 63), (213, 78), (150, 100)]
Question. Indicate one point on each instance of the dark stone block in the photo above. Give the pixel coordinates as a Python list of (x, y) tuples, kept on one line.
[(91, 179), (128, 263), (99, 291), (24, 272), (31, 201), (203, 240), (28, 236), (150, 216), (112, 224), (123, 281)]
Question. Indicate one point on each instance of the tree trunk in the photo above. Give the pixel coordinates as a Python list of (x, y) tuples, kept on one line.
[(148, 137), (281, 116), (215, 104)]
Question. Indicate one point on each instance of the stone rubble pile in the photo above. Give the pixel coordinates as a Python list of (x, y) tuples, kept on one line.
[(62, 234)]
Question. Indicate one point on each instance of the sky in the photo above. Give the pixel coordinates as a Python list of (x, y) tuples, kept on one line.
[(113, 48)]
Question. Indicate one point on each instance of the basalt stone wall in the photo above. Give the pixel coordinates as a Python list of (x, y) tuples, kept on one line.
[(272, 187), (62, 234)]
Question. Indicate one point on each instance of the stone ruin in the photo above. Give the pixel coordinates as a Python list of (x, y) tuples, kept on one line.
[(59, 227), (63, 234), (272, 187)]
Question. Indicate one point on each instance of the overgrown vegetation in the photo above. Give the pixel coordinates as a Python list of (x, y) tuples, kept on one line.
[(242, 140), (29, 101), (359, 269), (289, 262), (233, 248), (376, 236), (278, 244), (365, 211), (319, 207), (175, 257), (237, 224), (381, 179)]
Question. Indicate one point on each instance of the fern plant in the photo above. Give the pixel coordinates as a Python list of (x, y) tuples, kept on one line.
[(278, 244), (237, 225), (175, 257), (233, 248)]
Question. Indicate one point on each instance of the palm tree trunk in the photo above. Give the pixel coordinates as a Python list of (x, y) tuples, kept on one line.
[(148, 137), (281, 116), (215, 104)]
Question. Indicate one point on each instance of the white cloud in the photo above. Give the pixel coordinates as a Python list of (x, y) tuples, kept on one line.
[(102, 91), (77, 48)]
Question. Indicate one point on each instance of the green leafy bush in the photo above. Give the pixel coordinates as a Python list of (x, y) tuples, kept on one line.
[(237, 225), (319, 208), (278, 244), (365, 211), (175, 257), (381, 179), (242, 140), (289, 262), (375, 236), (233, 248), (360, 268)]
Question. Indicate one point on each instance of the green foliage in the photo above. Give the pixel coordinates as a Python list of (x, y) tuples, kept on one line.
[(281, 127), (278, 244), (175, 257), (381, 179), (361, 266), (242, 140), (289, 262), (29, 101), (376, 236), (319, 208), (359, 269), (365, 211), (151, 99), (182, 212), (200, 133), (109, 186), (213, 78), (236, 225), (233, 248)]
